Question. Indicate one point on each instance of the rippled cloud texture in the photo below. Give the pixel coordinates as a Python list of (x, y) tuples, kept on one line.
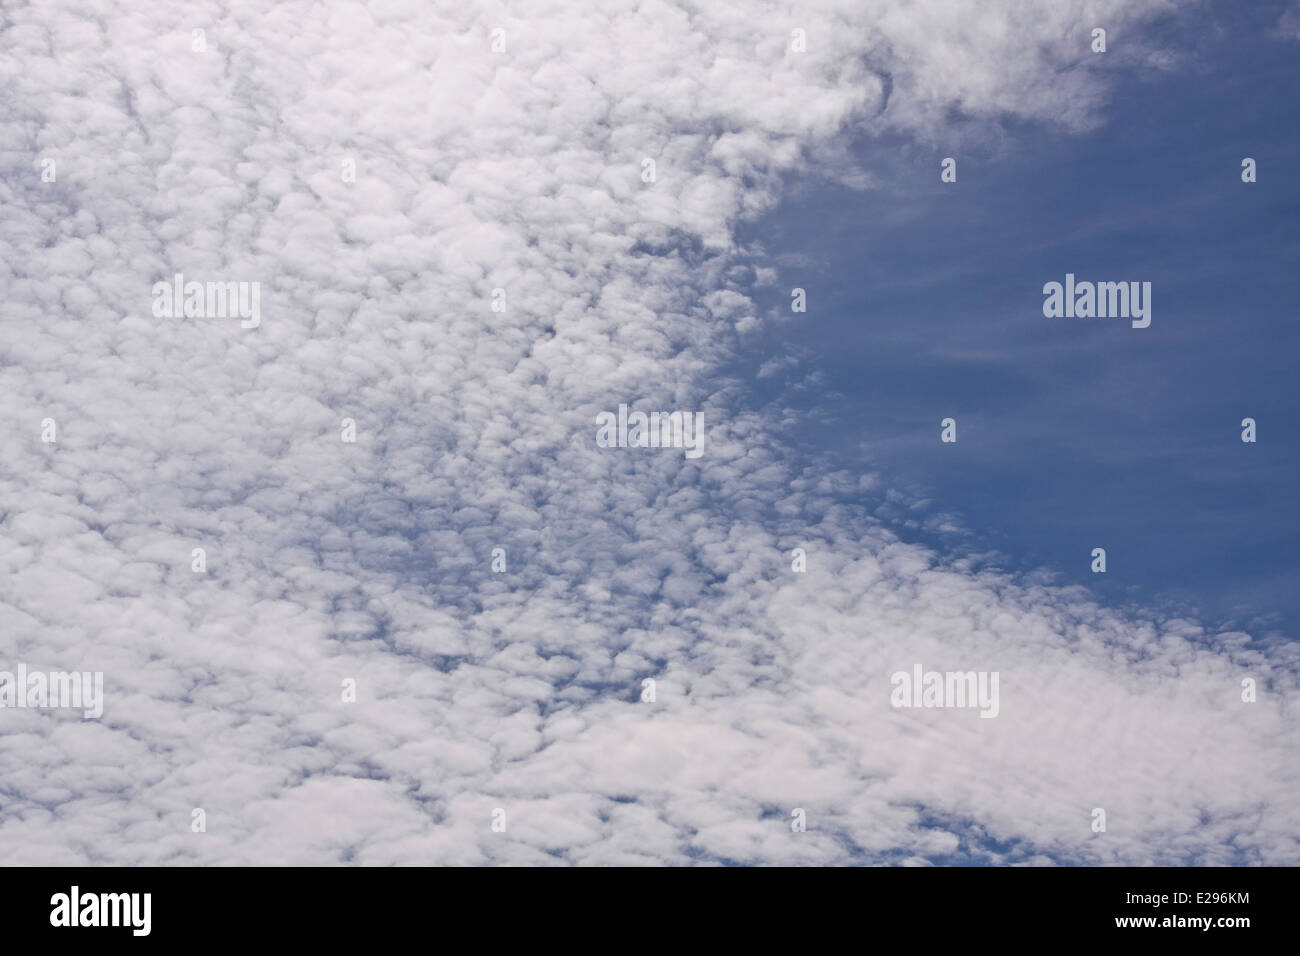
[(521, 170)]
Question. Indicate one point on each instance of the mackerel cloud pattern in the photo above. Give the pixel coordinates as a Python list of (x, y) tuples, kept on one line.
[(356, 570)]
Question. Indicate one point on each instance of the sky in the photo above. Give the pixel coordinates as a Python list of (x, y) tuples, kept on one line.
[(1085, 435), (430, 645)]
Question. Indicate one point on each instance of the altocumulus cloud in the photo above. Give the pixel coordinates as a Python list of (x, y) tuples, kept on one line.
[(520, 169)]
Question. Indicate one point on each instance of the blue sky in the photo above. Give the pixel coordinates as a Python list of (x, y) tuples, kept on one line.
[(925, 302)]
